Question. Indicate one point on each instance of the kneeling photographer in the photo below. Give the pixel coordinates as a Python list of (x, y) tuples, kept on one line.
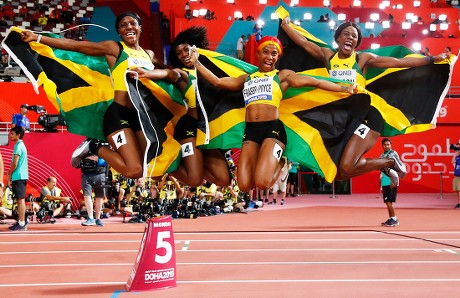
[(140, 203), (52, 203)]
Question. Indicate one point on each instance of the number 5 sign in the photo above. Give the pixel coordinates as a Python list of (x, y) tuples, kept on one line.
[(155, 266)]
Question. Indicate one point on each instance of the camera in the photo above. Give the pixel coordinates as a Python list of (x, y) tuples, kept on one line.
[(50, 121), (455, 147), (37, 108), (45, 214)]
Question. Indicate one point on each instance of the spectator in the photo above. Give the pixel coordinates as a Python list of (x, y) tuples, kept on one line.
[(257, 31), (208, 192), (6, 204), (187, 6), (170, 188), (165, 29), (85, 19), (18, 176), (22, 11), (390, 18), (456, 181), (389, 187), (322, 19), (93, 178), (188, 14), (281, 182), (240, 47), (21, 118), (54, 17), (137, 196), (43, 20), (3, 22), (52, 193), (292, 179)]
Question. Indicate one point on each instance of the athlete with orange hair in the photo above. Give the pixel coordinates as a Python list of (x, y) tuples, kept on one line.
[(265, 137)]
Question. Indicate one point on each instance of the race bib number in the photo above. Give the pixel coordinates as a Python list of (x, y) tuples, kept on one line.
[(362, 131), (119, 139), (258, 89), (187, 149), (277, 151)]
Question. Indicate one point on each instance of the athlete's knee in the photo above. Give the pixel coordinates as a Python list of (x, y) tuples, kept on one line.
[(133, 172), (194, 180)]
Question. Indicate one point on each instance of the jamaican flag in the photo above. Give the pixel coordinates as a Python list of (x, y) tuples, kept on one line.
[(316, 121), (225, 110), (77, 85), (408, 99), (159, 106), (80, 87)]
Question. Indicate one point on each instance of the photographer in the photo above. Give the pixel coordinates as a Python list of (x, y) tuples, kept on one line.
[(456, 164), (21, 118), (52, 194), (136, 200), (94, 172)]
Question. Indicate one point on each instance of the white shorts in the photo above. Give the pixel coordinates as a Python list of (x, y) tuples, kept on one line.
[(279, 185)]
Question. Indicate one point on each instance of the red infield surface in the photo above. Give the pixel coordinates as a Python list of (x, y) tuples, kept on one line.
[(313, 246)]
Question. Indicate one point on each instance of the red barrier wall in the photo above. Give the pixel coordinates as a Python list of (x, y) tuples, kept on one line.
[(49, 155), (426, 156)]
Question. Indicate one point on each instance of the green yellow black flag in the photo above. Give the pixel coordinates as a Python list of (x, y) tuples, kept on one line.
[(80, 87), (77, 85), (316, 121), (408, 99)]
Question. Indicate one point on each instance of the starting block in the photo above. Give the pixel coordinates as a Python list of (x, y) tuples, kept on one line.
[(155, 266)]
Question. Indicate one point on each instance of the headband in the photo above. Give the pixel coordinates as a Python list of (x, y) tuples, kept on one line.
[(271, 40)]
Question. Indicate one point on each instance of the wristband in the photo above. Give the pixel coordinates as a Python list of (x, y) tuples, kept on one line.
[(39, 37)]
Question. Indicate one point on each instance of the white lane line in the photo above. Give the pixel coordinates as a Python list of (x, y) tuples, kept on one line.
[(245, 281), (77, 241), (186, 244), (239, 263), (85, 234), (221, 250)]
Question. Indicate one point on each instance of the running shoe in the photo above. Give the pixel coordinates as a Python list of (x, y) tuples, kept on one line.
[(81, 152), (394, 177), (89, 222), (18, 227), (390, 223), (458, 206), (99, 223), (399, 166)]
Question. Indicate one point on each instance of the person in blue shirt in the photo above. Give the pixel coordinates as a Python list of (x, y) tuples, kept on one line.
[(389, 186), (21, 118), (18, 176)]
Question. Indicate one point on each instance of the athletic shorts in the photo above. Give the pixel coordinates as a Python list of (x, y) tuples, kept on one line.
[(259, 131), (280, 185), (19, 189), (374, 120), (292, 178), (456, 183), (185, 128), (118, 117), (94, 182), (389, 194)]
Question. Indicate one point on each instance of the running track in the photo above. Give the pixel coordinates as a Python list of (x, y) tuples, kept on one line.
[(301, 249)]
